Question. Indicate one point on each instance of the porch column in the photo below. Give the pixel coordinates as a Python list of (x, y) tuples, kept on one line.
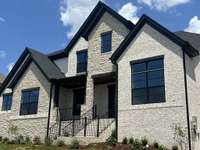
[(89, 98)]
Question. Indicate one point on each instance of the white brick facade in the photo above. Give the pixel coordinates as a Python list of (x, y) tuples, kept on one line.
[(29, 125), (153, 121)]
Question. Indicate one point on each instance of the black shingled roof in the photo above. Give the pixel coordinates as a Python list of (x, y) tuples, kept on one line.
[(192, 38), (45, 65)]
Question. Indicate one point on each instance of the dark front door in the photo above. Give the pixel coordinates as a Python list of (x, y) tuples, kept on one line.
[(111, 101), (79, 98)]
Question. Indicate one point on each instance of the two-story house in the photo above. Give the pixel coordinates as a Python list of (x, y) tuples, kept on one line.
[(138, 79)]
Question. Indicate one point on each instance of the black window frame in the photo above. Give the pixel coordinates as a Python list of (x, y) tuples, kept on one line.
[(25, 106), (105, 49), (6, 105), (147, 78), (81, 65)]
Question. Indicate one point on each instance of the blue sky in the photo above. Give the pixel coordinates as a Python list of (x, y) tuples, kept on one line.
[(48, 25)]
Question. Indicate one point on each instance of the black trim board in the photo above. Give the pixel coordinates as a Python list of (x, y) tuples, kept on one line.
[(147, 59), (191, 51), (48, 68), (88, 25), (13, 71), (104, 8)]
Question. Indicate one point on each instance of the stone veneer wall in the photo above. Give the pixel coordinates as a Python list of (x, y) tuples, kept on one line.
[(153, 121), (29, 125), (193, 80), (99, 62)]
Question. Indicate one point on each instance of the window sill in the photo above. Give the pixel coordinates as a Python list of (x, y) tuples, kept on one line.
[(5, 112), (34, 116), (106, 53)]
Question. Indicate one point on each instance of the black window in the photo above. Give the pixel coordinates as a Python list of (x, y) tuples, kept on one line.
[(148, 82), (7, 102), (81, 61), (29, 101), (106, 42)]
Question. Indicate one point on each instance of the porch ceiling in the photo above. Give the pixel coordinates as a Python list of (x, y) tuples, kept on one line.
[(72, 82), (104, 78)]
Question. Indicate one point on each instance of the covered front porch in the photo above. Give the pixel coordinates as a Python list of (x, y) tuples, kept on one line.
[(73, 117)]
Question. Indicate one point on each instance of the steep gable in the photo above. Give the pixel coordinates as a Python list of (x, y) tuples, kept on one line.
[(186, 46), (88, 25), (44, 64)]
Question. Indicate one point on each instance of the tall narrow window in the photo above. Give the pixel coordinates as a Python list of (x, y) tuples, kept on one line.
[(82, 61), (148, 82), (7, 102), (29, 101), (106, 42)]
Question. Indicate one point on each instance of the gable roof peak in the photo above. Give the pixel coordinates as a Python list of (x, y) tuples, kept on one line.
[(186, 46)]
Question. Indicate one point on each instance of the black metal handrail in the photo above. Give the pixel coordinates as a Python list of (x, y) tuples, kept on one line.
[(79, 123), (73, 125)]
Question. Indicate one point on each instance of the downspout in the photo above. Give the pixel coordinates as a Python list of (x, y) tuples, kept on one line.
[(116, 99), (187, 104), (49, 112)]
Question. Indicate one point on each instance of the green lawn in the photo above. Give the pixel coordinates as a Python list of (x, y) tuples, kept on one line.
[(26, 147)]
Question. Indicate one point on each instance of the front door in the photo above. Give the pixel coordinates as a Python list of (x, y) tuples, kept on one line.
[(111, 101), (79, 98)]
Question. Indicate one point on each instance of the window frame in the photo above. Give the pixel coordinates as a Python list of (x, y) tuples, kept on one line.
[(29, 103), (82, 63), (110, 48), (8, 106), (146, 61)]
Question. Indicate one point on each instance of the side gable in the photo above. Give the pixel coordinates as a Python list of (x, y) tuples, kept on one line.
[(190, 50), (47, 67)]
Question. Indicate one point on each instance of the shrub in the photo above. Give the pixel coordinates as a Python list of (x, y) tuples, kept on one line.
[(19, 140), (27, 140), (12, 129), (0, 138), (66, 134), (137, 145), (112, 139), (125, 140), (60, 143), (161, 147), (12, 142), (131, 140), (174, 147), (155, 145), (5, 140), (75, 144), (48, 141), (37, 140), (144, 141)]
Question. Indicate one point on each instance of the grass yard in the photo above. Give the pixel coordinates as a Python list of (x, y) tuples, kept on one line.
[(29, 147), (101, 146)]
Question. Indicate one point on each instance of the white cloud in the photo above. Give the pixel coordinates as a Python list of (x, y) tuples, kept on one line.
[(2, 19), (129, 11), (2, 54), (74, 12), (194, 25), (163, 5), (10, 66)]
